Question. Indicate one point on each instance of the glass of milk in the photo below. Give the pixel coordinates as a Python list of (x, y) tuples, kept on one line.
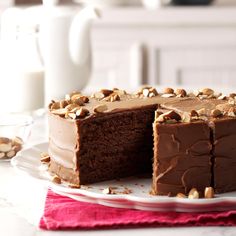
[(21, 69)]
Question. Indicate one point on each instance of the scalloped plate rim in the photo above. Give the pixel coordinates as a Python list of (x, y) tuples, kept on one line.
[(155, 203)]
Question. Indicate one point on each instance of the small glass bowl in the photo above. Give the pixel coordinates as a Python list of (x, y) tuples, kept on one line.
[(14, 132)]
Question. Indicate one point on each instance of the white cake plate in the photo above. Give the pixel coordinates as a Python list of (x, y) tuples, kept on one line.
[(28, 162)]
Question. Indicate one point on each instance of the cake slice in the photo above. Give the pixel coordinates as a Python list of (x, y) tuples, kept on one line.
[(224, 151), (102, 137), (182, 155), (101, 147)]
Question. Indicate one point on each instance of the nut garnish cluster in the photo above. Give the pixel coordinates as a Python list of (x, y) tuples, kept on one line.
[(205, 93), (146, 92), (194, 194), (170, 117), (74, 105), (71, 107), (109, 95), (170, 92), (10, 147)]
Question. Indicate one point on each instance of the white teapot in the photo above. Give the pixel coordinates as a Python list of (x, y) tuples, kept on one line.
[(52, 62), (66, 48)]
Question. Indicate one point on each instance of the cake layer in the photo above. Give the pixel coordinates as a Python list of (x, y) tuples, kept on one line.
[(109, 147), (224, 151), (182, 158)]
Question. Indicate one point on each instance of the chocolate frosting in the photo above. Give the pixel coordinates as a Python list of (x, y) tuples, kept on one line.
[(129, 102), (224, 152), (182, 157), (63, 141)]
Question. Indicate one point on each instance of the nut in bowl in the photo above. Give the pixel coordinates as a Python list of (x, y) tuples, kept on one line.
[(14, 132)]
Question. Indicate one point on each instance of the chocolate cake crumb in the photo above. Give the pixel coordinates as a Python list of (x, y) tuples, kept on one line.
[(127, 191)]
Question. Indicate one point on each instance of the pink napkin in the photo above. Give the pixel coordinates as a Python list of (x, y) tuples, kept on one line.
[(65, 213)]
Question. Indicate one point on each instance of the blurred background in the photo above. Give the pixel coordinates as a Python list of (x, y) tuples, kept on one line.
[(178, 43)]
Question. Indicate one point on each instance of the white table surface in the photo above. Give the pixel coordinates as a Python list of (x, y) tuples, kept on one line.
[(22, 198)]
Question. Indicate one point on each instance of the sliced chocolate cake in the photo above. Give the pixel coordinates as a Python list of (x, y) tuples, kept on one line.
[(110, 135), (224, 152), (182, 157)]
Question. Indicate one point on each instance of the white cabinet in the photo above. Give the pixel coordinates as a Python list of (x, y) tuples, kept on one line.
[(208, 66), (170, 46)]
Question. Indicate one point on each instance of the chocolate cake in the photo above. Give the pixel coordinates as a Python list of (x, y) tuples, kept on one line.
[(110, 135)]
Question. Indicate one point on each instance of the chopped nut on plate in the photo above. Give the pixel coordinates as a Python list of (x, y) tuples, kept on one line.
[(56, 179), (107, 190), (193, 194), (209, 192), (74, 186), (181, 195)]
